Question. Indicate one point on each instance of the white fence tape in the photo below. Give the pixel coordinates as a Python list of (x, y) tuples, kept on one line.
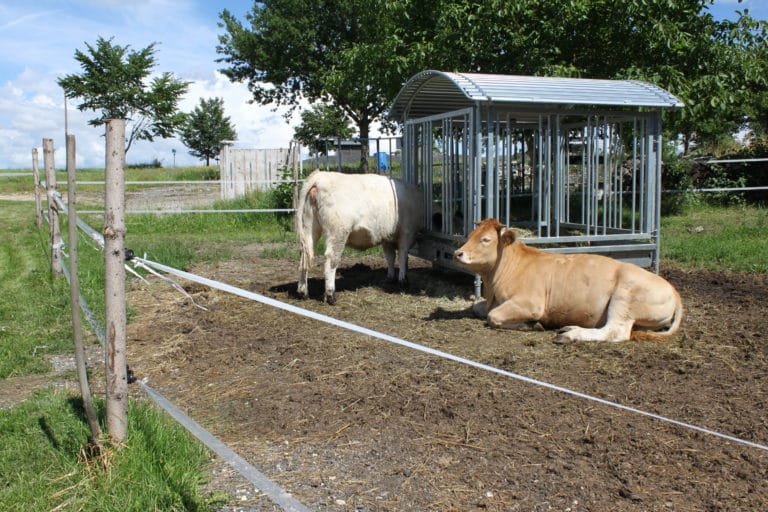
[(207, 210)]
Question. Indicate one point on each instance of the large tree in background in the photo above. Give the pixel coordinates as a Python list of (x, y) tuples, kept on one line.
[(116, 83), (356, 54), (713, 66), (348, 53), (205, 127), (751, 65)]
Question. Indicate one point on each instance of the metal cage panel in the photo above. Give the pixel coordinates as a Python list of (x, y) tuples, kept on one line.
[(574, 163), (574, 182)]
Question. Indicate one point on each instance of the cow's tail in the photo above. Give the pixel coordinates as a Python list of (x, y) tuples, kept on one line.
[(641, 335), (306, 211)]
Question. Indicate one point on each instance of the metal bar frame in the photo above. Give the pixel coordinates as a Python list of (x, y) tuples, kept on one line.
[(582, 165)]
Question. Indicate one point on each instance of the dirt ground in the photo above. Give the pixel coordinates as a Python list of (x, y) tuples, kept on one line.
[(347, 422)]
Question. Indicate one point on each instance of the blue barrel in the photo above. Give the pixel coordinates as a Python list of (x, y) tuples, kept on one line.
[(382, 159)]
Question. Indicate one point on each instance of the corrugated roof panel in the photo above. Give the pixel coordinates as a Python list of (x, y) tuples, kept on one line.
[(433, 92)]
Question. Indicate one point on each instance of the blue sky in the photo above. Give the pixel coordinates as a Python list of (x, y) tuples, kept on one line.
[(37, 45)]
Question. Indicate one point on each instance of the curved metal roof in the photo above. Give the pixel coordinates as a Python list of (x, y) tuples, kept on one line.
[(434, 92)]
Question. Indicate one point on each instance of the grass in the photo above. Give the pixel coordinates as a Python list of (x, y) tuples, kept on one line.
[(43, 467), (733, 238), (41, 463), (14, 184), (181, 239), (32, 325), (145, 174)]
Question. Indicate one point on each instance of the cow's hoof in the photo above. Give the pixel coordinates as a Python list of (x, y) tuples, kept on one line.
[(562, 339), (330, 299)]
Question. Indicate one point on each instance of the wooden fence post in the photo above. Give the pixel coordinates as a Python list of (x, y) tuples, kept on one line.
[(74, 294), (224, 169), (53, 209), (114, 267), (36, 178)]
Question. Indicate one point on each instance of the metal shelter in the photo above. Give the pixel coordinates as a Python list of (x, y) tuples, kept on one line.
[(575, 163)]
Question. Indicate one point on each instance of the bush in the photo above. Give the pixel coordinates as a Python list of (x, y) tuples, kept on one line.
[(282, 195), (676, 178), (154, 164)]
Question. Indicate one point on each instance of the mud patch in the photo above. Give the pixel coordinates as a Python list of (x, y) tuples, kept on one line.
[(348, 422)]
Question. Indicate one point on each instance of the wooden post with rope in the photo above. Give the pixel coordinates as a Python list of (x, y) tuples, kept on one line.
[(53, 209), (114, 267), (36, 178), (74, 294)]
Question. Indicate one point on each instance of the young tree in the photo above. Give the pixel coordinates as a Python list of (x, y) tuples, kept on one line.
[(320, 123), (116, 83), (205, 127)]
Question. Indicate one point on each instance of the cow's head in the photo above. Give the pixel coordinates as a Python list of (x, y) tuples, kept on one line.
[(484, 245)]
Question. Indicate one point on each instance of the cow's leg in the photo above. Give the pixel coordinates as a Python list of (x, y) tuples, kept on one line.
[(614, 333), (301, 288), (389, 255), (402, 253), (617, 328), (511, 315), (308, 241), (334, 247)]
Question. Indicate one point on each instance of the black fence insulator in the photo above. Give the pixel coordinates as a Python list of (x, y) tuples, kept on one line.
[(131, 376)]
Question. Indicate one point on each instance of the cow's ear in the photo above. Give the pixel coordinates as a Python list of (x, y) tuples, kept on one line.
[(507, 236)]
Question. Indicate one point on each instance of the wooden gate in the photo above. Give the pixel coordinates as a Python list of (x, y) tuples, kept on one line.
[(248, 170)]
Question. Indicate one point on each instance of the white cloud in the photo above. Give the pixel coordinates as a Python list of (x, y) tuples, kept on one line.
[(37, 47), (28, 115), (43, 100)]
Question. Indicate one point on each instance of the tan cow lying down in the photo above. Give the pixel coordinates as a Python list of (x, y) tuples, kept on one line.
[(594, 298), (359, 211)]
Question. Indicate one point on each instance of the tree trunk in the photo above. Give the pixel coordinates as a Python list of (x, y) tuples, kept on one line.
[(114, 282), (74, 288), (364, 126), (53, 208)]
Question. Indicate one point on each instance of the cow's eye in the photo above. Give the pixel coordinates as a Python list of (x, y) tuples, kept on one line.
[(486, 240)]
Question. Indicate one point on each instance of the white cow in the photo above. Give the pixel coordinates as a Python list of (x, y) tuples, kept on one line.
[(359, 211)]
